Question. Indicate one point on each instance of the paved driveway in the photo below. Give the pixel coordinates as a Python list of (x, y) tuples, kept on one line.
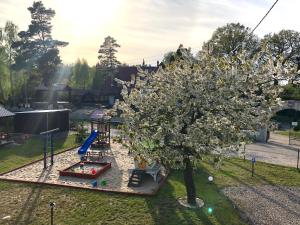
[(276, 151)]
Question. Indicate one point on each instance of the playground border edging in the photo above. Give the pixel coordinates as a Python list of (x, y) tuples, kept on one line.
[(35, 161), (87, 188)]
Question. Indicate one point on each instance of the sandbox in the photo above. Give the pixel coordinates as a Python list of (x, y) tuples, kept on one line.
[(86, 169)]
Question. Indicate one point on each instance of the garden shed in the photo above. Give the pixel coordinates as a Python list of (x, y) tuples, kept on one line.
[(6, 123), (37, 121)]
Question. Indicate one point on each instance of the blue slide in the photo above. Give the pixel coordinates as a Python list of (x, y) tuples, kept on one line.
[(83, 149)]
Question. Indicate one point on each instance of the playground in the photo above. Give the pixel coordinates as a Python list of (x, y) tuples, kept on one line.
[(98, 164), (79, 178), (28, 202), (116, 178)]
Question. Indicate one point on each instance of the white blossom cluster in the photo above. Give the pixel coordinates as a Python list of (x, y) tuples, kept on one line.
[(189, 109)]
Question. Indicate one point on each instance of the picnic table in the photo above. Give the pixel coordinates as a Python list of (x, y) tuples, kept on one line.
[(153, 170)]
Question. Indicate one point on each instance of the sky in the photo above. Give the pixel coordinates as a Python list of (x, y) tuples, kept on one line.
[(147, 29)]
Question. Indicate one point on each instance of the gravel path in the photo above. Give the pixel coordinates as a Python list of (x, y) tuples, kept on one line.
[(267, 205)]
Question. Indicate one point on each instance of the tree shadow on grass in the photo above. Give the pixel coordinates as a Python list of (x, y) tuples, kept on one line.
[(165, 208), (25, 214), (30, 204)]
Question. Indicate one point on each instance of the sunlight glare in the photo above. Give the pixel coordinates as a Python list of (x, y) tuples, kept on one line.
[(84, 15)]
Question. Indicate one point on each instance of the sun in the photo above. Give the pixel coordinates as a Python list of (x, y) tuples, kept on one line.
[(90, 13)]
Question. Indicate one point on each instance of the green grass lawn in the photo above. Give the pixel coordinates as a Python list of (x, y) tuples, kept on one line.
[(286, 133), (15, 156), (28, 204)]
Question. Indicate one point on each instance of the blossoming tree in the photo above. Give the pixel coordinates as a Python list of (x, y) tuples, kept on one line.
[(194, 107)]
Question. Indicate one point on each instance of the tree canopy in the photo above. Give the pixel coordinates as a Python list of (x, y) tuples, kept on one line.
[(10, 31), (231, 39), (107, 53), (285, 43), (4, 81), (108, 63), (81, 74), (189, 109), (37, 49), (181, 54)]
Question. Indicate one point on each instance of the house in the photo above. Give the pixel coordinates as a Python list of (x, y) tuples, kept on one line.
[(111, 90), (37, 121), (106, 94)]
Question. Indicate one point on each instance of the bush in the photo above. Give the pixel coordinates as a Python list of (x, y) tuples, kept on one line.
[(81, 132), (291, 92)]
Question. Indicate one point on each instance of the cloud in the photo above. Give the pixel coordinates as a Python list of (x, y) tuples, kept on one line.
[(149, 28)]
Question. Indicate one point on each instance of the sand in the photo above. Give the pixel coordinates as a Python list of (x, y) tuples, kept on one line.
[(116, 177)]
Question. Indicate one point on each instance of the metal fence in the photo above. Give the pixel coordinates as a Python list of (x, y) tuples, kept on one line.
[(294, 139)]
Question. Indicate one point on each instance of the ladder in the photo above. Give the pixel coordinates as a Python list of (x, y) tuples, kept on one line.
[(136, 178)]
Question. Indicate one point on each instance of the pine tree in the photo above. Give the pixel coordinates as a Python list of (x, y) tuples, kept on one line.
[(36, 48), (107, 51)]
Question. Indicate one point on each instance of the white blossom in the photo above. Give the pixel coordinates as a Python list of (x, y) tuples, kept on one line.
[(202, 107)]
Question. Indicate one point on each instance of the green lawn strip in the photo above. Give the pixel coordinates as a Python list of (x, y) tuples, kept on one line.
[(86, 207), (29, 203), (15, 156), (236, 172), (287, 133)]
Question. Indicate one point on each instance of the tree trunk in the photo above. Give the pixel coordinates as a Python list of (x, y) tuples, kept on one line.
[(189, 182), (11, 79), (11, 87)]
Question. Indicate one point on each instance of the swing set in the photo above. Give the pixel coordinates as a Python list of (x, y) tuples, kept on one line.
[(48, 135)]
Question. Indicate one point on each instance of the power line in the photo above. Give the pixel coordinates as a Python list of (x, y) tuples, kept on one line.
[(249, 35), (132, 60), (263, 17)]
